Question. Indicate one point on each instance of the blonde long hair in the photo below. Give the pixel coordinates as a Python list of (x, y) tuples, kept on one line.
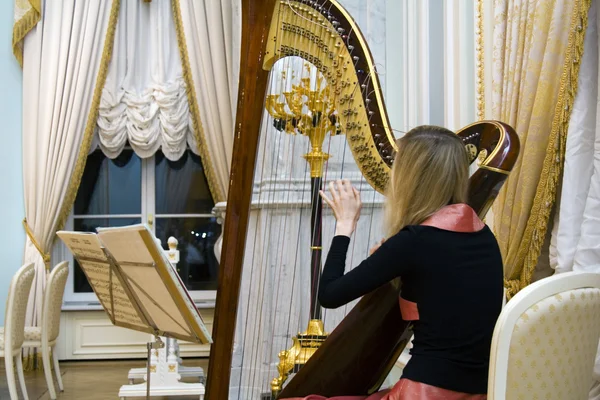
[(431, 170)]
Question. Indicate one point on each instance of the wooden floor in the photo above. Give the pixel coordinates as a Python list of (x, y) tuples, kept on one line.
[(89, 380)]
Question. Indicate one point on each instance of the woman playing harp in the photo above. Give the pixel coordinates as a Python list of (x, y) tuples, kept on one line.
[(324, 34), (448, 259)]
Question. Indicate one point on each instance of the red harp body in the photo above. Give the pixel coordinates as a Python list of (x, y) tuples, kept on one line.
[(358, 355)]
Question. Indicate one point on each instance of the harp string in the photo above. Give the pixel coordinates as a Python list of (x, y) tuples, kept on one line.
[(326, 210), (368, 212), (325, 181), (358, 254), (295, 73), (269, 353), (324, 32), (253, 314), (350, 262), (295, 210), (298, 263), (304, 191), (357, 250), (257, 281), (313, 78)]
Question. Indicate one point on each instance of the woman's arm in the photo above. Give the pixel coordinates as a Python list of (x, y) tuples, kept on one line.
[(391, 260)]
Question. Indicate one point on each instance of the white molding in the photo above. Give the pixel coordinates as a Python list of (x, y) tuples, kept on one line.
[(106, 216), (287, 193), (467, 76), (207, 215), (488, 56), (422, 17), (451, 66), (411, 73), (207, 304), (394, 68), (90, 335)]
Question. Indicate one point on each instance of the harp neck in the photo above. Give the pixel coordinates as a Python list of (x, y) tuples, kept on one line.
[(324, 34)]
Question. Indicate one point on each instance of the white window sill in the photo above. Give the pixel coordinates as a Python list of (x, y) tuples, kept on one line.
[(95, 306)]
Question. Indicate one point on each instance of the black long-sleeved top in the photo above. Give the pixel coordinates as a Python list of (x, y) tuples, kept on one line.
[(456, 280)]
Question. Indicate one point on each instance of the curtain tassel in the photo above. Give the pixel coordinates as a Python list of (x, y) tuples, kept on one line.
[(45, 256), (512, 287)]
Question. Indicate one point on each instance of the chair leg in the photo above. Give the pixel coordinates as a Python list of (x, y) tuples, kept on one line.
[(57, 370), (10, 376), (21, 376), (48, 371)]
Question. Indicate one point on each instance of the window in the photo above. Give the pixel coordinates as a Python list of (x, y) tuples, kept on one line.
[(171, 197), (183, 206)]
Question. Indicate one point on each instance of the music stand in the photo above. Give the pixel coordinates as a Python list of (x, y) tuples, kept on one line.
[(137, 287)]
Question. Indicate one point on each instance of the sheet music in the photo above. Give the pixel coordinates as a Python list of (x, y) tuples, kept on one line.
[(154, 282), (136, 283), (105, 282)]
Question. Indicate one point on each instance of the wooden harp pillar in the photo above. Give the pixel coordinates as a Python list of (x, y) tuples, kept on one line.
[(356, 357)]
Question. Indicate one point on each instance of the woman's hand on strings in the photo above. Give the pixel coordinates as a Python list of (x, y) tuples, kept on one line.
[(346, 205)]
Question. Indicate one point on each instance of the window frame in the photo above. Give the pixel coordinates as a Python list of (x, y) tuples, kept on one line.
[(89, 301)]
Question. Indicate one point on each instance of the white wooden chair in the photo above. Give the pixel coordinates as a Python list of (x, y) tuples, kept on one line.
[(45, 336), (12, 334), (545, 340)]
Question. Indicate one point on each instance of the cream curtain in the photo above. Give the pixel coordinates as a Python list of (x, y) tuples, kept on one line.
[(144, 100), (537, 49), (65, 58), (576, 229), (210, 37)]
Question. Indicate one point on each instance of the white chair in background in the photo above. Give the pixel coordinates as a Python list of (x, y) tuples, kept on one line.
[(13, 333), (545, 340), (46, 335)]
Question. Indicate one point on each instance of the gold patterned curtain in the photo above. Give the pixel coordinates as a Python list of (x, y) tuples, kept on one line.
[(27, 14), (537, 46)]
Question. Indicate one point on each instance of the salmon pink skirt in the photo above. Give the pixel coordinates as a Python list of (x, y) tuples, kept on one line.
[(406, 389)]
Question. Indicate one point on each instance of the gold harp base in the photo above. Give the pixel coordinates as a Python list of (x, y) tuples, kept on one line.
[(303, 347)]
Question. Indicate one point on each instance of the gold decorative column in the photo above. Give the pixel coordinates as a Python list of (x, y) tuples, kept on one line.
[(310, 112)]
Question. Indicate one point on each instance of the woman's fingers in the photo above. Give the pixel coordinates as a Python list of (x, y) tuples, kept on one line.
[(344, 187), (348, 187), (325, 198), (340, 187), (334, 195)]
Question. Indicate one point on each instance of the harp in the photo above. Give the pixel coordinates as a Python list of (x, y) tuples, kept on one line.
[(361, 350)]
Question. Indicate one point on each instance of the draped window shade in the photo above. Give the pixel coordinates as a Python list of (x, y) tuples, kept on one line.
[(144, 101)]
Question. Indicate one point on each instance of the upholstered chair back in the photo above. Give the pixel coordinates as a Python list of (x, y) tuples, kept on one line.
[(545, 340), (16, 307), (53, 298)]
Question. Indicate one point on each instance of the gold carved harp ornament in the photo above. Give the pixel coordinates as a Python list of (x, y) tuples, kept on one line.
[(306, 70)]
